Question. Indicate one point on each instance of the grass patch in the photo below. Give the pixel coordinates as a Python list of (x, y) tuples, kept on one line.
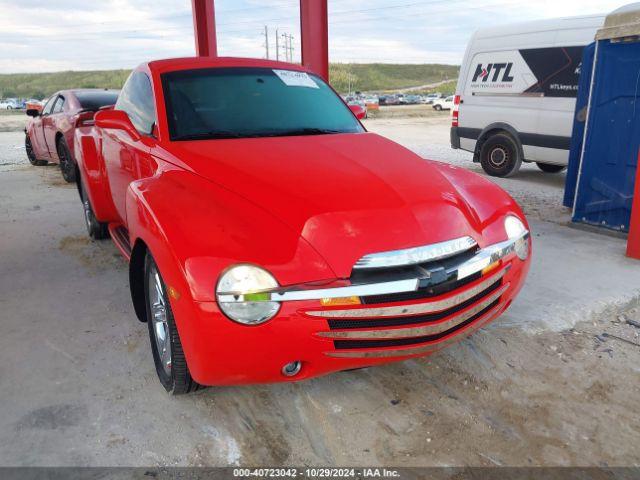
[(362, 77)]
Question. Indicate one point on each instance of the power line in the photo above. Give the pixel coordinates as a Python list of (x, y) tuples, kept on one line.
[(222, 31), (172, 16), (288, 44), (98, 35), (244, 22)]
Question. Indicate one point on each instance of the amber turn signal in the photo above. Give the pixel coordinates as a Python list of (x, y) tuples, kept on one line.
[(490, 268), (335, 302)]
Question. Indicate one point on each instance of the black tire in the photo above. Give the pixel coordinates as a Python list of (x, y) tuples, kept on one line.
[(31, 155), (437, 108), (170, 362), (96, 230), (67, 165), (500, 155), (548, 168)]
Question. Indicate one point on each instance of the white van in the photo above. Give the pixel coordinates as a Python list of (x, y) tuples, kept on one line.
[(516, 93)]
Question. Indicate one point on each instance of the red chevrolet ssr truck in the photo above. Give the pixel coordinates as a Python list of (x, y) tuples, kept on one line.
[(271, 238)]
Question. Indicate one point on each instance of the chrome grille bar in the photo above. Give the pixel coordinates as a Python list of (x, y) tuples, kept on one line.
[(423, 330), (422, 350), (477, 263), (413, 309), (414, 256)]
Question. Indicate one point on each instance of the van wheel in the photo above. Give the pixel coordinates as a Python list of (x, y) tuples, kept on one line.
[(500, 156), (437, 108), (548, 168)]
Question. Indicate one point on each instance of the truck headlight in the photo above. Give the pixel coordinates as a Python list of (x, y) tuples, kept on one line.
[(248, 281), (516, 230)]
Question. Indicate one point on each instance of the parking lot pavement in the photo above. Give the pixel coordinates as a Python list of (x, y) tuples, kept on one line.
[(12, 148), (78, 386)]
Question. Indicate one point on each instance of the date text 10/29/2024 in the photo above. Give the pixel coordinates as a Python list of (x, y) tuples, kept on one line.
[(316, 473)]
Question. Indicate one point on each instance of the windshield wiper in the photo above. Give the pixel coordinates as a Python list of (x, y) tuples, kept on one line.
[(278, 133), (301, 132), (217, 135)]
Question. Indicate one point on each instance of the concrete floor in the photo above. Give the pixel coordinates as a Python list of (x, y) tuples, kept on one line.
[(541, 386)]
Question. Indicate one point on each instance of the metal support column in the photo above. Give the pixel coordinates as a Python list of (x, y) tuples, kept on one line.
[(633, 242), (204, 27), (314, 27)]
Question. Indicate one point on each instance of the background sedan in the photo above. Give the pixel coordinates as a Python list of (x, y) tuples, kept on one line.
[(49, 135)]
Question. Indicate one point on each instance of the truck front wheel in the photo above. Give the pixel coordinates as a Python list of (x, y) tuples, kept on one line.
[(168, 356), (500, 155)]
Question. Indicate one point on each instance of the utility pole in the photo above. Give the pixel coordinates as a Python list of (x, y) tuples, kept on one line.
[(277, 46), (285, 38), (266, 40), (290, 48)]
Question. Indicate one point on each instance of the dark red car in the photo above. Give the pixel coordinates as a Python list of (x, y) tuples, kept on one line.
[(50, 133)]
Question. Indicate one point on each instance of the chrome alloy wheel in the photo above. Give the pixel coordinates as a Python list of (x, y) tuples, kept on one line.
[(160, 331)]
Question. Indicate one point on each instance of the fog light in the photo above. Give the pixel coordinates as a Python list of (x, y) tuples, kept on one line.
[(292, 369)]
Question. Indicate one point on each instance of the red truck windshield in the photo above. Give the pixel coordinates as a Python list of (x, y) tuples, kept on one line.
[(252, 102)]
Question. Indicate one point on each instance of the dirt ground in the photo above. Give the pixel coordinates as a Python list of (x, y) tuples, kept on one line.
[(407, 111), (11, 121), (78, 386)]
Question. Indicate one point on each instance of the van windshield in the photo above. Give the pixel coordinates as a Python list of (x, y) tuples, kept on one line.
[(252, 102)]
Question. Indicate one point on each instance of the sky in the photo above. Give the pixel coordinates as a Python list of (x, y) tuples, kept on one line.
[(57, 35)]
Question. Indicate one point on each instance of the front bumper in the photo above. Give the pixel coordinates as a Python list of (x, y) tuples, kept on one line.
[(397, 320)]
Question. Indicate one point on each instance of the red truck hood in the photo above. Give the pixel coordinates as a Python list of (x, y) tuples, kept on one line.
[(348, 195)]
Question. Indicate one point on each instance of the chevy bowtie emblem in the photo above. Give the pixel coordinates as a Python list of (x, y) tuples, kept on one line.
[(434, 275)]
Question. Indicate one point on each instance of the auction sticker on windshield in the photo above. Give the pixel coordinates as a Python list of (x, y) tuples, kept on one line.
[(295, 79)]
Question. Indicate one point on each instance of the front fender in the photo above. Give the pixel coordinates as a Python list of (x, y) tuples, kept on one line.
[(205, 228), (195, 229)]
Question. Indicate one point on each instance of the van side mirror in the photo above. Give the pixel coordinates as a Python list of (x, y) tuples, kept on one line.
[(33, 112), (116, 120)]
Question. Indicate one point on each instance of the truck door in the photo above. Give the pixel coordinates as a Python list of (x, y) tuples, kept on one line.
[(125, 159)]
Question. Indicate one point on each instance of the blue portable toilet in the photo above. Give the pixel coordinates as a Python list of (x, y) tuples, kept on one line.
[(611, 139), (579, 122)]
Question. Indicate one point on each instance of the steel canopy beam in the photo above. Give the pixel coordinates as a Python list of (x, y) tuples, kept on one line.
[(314, 29), (204, 28)]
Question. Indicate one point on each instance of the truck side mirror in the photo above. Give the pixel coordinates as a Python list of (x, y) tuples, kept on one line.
[(117, 120)]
